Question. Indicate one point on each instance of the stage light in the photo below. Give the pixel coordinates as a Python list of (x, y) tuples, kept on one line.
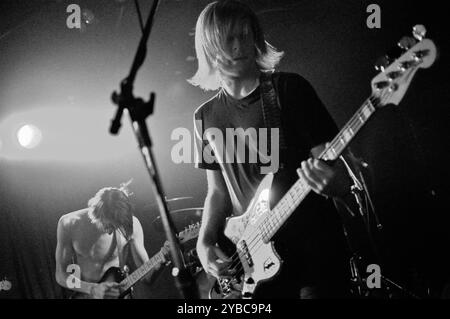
[(65, 134), (29, 136)]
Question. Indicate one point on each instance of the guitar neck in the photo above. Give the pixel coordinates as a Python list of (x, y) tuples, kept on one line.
[(188, 234), (290, 201), (143, 270)]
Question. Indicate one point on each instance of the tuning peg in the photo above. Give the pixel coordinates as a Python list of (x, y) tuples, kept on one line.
[(417, 55), (419, 32), (382, 62), (406, 43), (405, 65), (394, 74), (381, 85)]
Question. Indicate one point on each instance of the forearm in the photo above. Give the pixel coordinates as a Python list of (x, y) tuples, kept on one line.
[(214, 214), (75, 284)]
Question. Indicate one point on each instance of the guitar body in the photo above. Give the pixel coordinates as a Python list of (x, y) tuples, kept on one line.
[(113, 274), (255, 259), (258, 256), (261, 262), (261, 258)]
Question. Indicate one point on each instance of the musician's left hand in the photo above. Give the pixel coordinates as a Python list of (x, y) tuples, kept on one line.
[(332, 181), (165, 250)]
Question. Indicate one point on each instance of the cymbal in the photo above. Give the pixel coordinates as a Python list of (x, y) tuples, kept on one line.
[(181, 217), (185, 210), (177, 198), (168, 200)]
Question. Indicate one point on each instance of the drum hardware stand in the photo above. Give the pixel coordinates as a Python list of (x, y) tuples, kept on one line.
[(365, 207), (138, 111)]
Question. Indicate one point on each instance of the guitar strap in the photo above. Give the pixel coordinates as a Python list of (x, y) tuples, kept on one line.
[(271, 110), (121, 250), (123, 257)]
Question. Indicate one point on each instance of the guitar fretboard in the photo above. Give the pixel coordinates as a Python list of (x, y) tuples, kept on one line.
[(142, 270), (290, 201)]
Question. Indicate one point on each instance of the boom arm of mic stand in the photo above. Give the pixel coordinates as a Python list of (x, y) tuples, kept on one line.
[(139, 111)]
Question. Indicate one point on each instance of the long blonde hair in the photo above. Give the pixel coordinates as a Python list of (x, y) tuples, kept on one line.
[(214, 24)]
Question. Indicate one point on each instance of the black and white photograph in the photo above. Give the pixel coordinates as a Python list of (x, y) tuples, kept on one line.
[(241, 151)]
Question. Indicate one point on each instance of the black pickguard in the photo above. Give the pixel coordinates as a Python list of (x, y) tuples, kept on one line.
[(113, 274)]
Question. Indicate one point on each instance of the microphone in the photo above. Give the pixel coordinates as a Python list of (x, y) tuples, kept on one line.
[(115, 123)]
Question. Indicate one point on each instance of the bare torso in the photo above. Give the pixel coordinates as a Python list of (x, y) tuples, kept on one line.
[(94, 251)]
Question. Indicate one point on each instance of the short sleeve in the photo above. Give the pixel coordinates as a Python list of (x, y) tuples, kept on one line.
[(203, 154)]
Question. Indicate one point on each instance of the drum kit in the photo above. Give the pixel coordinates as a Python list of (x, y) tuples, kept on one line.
[(184, 218)]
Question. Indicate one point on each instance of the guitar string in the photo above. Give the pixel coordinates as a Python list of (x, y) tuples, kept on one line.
[(141, 271), (149, 264), (273, 222), (268, 221), (304, 190), (256, 234), (332, 145)]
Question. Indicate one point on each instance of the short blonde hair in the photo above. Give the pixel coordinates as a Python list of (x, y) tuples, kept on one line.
[(212, 29), (114, 204)]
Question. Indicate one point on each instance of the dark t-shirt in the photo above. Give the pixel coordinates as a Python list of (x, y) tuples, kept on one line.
[(306, 124), (313, 235)]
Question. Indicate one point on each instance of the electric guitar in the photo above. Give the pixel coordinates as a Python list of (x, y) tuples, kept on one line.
[(255, 259), (115, 274)]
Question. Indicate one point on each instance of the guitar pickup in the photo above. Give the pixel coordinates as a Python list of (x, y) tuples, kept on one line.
[(245, 253)]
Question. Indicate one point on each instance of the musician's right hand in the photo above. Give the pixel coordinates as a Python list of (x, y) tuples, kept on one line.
[(214, 261), (105, 290)]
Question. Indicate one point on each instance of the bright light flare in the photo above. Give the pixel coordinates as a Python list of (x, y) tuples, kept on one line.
[(29, 136), (68, 134)]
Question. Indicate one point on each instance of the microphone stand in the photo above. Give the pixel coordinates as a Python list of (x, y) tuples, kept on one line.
[(138, 111), (365, 206)]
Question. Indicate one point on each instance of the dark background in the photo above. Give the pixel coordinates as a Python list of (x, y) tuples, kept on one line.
[(69, 74)]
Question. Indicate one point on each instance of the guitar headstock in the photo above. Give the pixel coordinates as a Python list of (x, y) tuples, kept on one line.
[(189, 232), (391, 84)]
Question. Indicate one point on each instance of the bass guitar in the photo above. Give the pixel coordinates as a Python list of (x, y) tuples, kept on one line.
[(255, 259)]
